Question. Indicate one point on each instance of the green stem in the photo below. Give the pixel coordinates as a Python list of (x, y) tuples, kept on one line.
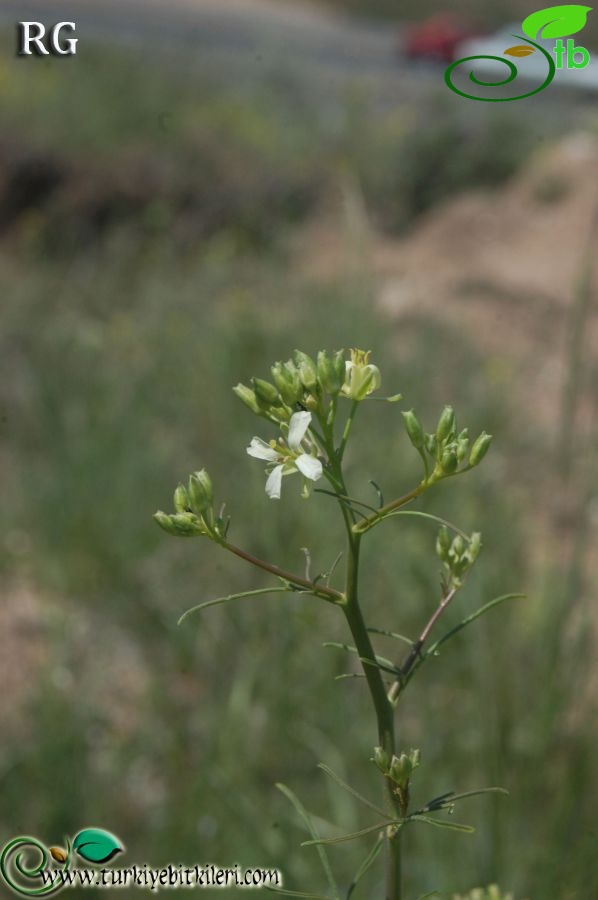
[(377, 517)]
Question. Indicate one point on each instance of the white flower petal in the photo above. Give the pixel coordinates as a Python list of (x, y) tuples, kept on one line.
[(261, 450), (309, 466), (274, 483), (297, 427)]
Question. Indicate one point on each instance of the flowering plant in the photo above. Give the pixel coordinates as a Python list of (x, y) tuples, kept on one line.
[(313, 405)]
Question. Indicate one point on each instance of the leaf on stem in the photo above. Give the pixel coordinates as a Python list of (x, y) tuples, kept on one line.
[(392, 634), (365, 866), (354, 834), (378, 490), (307, 821), (239, 596), (347, 787), (469, 619), (440, 823), (424, 515)]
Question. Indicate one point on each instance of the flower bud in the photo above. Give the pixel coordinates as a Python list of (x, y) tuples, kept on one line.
[(462, 445), (457, 548), (443, 543), (265, 393), (401, 768), (340, 366), (328, 375), (449, 462), (247, 396), (286, 378), (431, 444), (381, 759), (414, 429), (475, 545), (180, 525), (201, 495), (181, 499), (446, 424), (308, 372), (480, 449)]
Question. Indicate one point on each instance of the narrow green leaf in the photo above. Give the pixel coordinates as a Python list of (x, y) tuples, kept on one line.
[(347, 787), (423, 515), (431, 894), (488, 790), (353, 835), (366, 865), (392, 634), (469, 619), (306, 818), (241, 595), (440, 823), (380, 661)]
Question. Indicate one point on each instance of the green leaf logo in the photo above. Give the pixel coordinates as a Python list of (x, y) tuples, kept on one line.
[(556, 21), (96, 845)]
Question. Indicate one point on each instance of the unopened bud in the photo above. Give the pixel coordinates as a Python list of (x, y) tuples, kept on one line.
[(179, 525), (265, 393), (247, 396), (328, 375), (286, 378), (414, 429), (340, 366), (480, 449), (58, 854), (443, 543), (446, 424), (449, 461), (380, 758), (308, 372), (201, 495), (181, 499)]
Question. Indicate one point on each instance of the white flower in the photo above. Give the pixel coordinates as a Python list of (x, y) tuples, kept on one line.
[(362, 378), (284, 458)]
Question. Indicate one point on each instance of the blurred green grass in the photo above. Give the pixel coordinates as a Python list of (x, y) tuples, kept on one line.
[(117, 354)]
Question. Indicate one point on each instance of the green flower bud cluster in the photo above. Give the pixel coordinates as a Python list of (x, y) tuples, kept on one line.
[(298, 383), (448, 450), (490, 893), (458, 554), (398, 768), (194, 510)]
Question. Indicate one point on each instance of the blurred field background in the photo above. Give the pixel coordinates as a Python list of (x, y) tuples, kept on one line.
[(169, 228)]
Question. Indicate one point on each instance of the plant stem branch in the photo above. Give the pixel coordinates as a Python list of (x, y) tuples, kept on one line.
[(377, 517), (319, 590), (414, 653)]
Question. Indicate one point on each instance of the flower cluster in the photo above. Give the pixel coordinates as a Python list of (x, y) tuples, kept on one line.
[(446, 451), (458, 555), (303, 388), (194, 510)]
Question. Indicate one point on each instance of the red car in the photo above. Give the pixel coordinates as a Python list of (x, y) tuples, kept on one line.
[(437, 38)]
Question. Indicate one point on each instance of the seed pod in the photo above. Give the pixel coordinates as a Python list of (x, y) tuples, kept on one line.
[(446, 424), (201, 495), (58, 854), (181, 499), (480, 449), (414, 429)]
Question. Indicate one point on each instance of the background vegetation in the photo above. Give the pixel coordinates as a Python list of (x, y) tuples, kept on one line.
[(147, 265)]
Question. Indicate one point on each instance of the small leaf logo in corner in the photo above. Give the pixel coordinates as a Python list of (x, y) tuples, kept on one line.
[(556, 21), (520, 50), (96, 845)]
